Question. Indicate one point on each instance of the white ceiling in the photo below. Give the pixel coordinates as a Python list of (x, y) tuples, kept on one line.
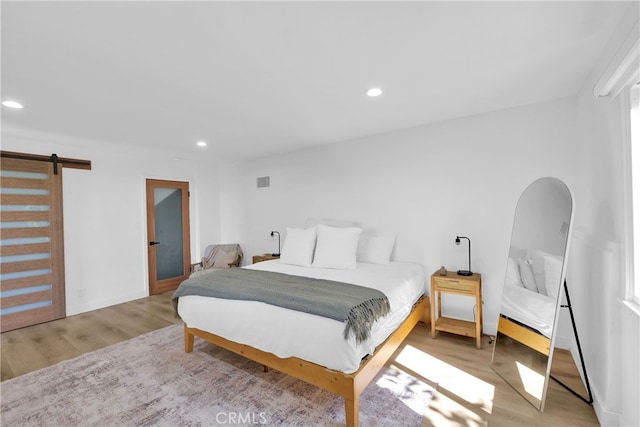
[(259, 78)]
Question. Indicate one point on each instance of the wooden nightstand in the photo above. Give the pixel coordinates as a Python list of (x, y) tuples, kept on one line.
[(264, 257), (459, 285)]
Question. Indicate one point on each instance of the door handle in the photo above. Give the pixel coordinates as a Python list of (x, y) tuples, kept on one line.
[(153, 243)]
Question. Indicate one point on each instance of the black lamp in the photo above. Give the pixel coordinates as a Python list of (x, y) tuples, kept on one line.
[(465, 272), (278, 233)]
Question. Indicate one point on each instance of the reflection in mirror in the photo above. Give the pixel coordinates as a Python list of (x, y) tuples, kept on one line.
[(523, 348)]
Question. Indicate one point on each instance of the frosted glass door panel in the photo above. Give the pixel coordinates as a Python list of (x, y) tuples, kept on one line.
[(168, 233)]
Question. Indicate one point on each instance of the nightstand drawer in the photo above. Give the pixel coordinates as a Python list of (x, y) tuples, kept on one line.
[(455, 285)]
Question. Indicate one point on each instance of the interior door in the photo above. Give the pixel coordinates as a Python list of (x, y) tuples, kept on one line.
[(167, 234), (31, 243)]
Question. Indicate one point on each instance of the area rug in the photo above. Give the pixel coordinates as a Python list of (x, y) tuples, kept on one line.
[(151, 381)]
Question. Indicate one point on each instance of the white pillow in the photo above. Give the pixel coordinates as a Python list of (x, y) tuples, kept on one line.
[(375, 249), (512, 277), (336, 247), (537, 265), (298, 246), (313, 222), (526, 274), (552, 274)]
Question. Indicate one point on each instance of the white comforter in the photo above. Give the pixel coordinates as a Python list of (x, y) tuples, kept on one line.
[(288, 333), (530, 308)]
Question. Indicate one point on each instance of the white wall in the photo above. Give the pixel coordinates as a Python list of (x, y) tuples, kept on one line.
[(105, 213), (609, 328), (427, 185)]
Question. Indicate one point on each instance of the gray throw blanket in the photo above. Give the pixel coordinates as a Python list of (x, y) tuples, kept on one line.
[(358, 306)]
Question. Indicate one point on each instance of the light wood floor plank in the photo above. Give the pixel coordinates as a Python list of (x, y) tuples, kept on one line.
[(455, 403), (508, 408), (36, 347)]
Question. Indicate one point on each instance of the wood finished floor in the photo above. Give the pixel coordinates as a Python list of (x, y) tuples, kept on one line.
[(469, 392)]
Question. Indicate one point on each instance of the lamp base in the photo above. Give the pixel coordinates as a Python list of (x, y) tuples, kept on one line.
[(464, 273)]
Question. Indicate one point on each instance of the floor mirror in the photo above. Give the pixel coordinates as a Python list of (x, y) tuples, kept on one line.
[(523, 348)]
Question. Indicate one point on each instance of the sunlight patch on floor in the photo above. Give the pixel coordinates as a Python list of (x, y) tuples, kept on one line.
[(414, 393), (532, 381), (446, 412), (454, 380)]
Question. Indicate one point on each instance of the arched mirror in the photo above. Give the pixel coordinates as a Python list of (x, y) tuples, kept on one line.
[(532, 290)]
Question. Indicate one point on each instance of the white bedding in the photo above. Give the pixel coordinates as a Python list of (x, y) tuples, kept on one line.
[(530, 308), (288, 333)]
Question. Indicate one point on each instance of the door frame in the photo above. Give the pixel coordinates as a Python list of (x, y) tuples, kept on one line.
[(159, 286)]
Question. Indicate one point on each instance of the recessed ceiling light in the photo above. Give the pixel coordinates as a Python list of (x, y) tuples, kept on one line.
[(12, 104), (201, 144), (374, 91)]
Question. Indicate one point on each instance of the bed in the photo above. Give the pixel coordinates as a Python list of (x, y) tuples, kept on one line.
[(308, 346), (529, 308), (529, 299)]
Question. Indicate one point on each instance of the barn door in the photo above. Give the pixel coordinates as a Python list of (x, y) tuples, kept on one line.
[(31, 243)]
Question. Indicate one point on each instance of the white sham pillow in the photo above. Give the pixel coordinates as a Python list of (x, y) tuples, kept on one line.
[(512, 277), (298, 246), (375, 249), (537, 266), (314, 222), (526, 274), (552, 274), (336, 247)]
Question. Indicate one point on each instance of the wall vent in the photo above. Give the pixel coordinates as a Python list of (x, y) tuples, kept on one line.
[(263, 182)]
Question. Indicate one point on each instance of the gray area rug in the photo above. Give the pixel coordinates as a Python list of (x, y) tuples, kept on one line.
[(151, 381)]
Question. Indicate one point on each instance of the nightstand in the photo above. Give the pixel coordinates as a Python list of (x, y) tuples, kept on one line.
[(264, 257), (452, 283)]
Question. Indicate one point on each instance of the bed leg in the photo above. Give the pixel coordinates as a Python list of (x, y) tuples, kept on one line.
[(351, 410), (188, 340), (265, 368)]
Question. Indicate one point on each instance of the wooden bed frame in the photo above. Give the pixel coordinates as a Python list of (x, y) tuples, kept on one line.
[(526, 336), (349, 386)]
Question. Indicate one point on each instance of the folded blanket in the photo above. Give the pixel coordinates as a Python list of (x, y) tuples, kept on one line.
[(358, 306)]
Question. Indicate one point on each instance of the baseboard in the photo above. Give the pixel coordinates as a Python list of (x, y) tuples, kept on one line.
[(605, 417), (490, 327), (566, 343), (73, 309)]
